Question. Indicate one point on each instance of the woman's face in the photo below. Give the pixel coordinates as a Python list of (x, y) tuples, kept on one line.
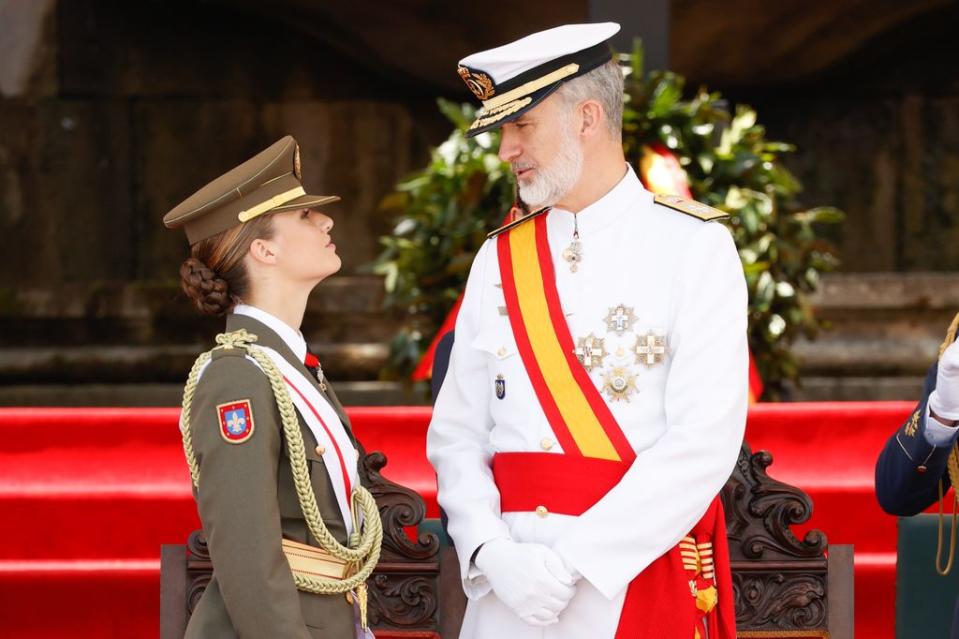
[(304, 248)]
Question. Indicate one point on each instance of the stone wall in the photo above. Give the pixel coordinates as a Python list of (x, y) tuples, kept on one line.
[(111, 113), (878, 135), (148, 101)]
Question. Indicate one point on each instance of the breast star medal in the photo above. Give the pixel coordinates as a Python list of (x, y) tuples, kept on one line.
[(619, 384), (620, 319), (590, 351), (650, 349)]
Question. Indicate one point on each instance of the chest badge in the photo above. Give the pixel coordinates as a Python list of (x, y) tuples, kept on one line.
[(590, 351), (500, 387), (650, 349), (619, 384), (620, 319)]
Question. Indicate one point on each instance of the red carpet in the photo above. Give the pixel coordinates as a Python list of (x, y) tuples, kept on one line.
[(88, 496)]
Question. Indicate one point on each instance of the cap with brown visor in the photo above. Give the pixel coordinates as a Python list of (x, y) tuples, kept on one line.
[(269, 182)]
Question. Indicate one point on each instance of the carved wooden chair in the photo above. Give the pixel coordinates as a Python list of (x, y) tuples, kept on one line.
[(784, 586)]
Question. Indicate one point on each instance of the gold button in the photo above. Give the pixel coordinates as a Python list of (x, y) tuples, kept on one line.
[(541, 511), (501, 352), (546, 443), (320, 450)]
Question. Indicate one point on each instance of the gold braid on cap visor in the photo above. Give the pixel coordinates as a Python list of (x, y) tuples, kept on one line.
[(272, 203), (531, 86), (488, 117)]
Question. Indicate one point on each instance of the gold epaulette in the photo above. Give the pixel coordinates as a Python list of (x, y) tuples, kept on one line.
[(950, 335), (690, 207), (514, 223)]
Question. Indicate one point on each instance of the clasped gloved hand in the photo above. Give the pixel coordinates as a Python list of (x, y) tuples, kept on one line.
[(530, 579)]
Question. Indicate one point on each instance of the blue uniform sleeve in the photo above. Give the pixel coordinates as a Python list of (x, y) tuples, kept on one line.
[(909, 466)]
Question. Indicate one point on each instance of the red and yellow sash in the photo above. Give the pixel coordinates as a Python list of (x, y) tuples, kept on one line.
[(577, 413), (676, 595)]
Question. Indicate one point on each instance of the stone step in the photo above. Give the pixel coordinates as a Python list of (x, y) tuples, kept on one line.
[(345, 309), (134, 343)]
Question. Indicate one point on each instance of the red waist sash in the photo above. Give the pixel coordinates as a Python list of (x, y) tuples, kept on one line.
[(685, 594)]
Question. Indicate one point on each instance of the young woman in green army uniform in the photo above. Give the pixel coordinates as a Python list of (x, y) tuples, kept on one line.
[(292, 533)]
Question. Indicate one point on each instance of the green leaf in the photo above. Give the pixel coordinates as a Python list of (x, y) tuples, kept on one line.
[(821, 215)]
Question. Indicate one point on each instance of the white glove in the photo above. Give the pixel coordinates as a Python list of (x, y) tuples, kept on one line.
[(530, 579), (944, 401)]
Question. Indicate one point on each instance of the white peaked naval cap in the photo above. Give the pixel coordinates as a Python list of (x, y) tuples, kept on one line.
[(515, 77)]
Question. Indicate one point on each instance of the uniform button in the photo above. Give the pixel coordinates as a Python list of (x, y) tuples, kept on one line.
[(541, 511), (320, 450), (501, 352), (546, 443)]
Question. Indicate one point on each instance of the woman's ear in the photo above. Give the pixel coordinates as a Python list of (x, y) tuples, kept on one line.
[(263, 251)]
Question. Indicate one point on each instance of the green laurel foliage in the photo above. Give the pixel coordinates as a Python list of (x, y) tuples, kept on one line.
[(443, 212)]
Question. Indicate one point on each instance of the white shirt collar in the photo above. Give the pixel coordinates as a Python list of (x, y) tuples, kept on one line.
[(598, 215), (290, 336)]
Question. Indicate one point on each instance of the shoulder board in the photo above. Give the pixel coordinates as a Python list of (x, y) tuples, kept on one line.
[(515, 223), (690, 207), (220, 353)]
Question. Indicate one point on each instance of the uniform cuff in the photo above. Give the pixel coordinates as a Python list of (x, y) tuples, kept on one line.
[(937, 434), (609, 581)]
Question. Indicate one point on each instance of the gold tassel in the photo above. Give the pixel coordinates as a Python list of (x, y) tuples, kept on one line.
[(706, 599), (361, 597)]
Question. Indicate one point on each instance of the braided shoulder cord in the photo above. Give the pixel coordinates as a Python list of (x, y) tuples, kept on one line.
[(364, 548), (952, 466)]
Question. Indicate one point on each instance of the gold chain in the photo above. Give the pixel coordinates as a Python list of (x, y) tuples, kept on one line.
[(364, 548)]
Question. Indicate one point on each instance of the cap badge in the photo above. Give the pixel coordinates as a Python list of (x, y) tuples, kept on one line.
[(297, 170), (479, 83)]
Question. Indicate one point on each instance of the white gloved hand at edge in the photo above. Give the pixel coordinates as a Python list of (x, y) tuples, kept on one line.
[(944, 401)]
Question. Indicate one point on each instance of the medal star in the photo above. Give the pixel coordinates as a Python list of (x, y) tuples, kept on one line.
[(620, 319), (590, 351), (650, 349), (619, 384)]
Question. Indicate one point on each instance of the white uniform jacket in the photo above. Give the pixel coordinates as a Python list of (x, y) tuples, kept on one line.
[(675, 276)]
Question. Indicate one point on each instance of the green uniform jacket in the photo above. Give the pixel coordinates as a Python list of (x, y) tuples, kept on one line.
[(247, 502)]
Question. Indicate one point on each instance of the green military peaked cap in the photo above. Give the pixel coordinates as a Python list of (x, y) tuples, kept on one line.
[(269, 182)]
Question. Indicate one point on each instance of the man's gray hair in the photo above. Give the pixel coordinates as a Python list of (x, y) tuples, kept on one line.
[(605, 85)]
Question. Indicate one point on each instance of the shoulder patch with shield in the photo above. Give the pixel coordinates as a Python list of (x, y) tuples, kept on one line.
[(236, 421)]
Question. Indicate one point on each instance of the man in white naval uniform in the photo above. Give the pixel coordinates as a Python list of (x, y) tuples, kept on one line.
[(655, 301)]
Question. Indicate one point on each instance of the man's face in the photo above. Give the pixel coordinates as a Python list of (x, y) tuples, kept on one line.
[(544, 151)]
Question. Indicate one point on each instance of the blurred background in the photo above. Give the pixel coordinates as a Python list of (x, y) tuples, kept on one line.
[(111, 113)]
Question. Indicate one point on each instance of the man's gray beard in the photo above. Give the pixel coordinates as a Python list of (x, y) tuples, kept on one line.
[(552, 182)]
